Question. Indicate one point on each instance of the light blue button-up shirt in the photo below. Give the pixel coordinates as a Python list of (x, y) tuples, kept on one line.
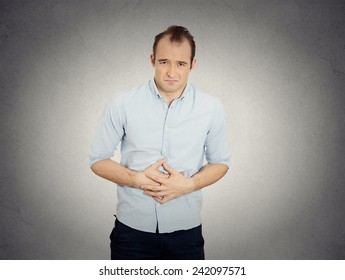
[(188, 132)]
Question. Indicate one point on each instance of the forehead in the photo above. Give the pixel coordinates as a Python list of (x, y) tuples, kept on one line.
[(173, 50)]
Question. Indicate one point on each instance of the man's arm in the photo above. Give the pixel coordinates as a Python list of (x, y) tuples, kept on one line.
[(178, 185), (209, 174), (116, 173)]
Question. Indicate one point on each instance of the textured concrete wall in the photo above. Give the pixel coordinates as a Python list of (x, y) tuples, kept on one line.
[(279, 67)]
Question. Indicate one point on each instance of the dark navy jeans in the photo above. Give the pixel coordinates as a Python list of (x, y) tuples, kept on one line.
[(131, 244)]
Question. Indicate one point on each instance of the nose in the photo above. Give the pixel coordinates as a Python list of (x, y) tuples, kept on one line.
[(171, 70)]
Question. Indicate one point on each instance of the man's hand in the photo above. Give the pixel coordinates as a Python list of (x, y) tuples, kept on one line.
[(167, 186), (141, 178)]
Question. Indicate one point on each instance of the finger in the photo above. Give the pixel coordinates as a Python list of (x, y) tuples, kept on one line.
[(155, 191), (169, 168), (157, 178), (158, 194), (153, 194), (151, 182), (158, 174), (163, 199), (153, 188), (158, 163), (159, 199)]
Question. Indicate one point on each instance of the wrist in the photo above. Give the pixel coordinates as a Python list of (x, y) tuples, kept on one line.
[(194, 182), (135, 178)]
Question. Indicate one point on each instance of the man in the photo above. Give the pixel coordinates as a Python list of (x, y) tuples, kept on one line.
[(166, 129)]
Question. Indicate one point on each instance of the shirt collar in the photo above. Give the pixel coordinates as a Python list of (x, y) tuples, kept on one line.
[(156, 93)]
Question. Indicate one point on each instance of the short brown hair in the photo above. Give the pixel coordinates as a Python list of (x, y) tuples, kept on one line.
[(177, 34)]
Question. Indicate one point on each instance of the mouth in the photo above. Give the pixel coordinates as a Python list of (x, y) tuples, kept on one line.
[(171, 81)]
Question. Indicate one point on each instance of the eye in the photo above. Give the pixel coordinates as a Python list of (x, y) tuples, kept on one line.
[(181, 64), (162, 62)]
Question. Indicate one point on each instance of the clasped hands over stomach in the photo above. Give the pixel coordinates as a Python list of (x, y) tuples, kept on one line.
[(164, 187)]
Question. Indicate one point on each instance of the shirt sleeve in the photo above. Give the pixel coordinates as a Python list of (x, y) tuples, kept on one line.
[(109, 132), (216, 144)]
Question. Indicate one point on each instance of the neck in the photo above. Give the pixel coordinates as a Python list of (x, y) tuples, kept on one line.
[(170, 96)]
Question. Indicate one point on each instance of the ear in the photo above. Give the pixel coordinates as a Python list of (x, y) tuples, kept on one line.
[(152, 58), (193, 64)]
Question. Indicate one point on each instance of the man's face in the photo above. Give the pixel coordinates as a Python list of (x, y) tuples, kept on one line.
[(172, 65)]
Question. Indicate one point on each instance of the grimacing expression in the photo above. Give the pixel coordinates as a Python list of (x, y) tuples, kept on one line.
[(172, 64)]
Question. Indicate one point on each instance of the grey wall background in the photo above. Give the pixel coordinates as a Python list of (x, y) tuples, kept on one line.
[(279, 67)]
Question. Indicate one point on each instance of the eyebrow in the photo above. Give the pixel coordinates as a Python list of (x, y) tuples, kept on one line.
[(165, 60)]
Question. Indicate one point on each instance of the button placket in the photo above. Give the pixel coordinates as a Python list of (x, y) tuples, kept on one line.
[(165, 142)]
